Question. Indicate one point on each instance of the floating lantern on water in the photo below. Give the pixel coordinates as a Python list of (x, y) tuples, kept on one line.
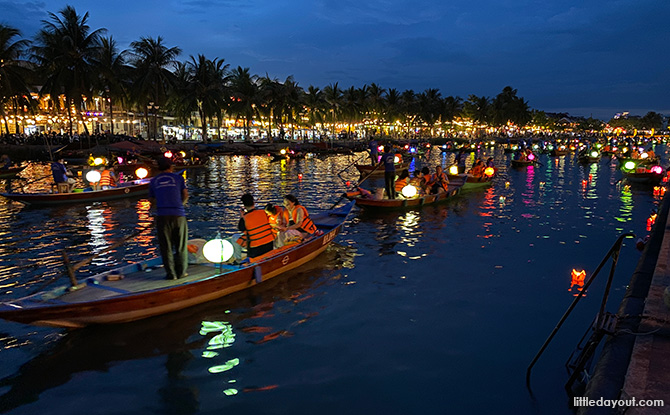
[(594, 154), (531, 157), (282, 151), (412, 150), (93, 176), (141, 173), (348, 183), (168, 154), (489, 171), (506, 184), (409, 191), (453, 169), (218, 250), (577, 280), (299, 176), (629, 165)]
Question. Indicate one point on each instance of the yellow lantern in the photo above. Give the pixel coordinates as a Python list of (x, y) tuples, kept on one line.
[(409, 191), (489, 171), (141, 173), (98, 161), (453, 169), (93, 176)]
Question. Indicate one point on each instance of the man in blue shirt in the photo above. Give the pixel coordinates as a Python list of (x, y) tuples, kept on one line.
[(167, 191)]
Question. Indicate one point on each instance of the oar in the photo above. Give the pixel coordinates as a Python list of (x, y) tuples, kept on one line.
[(359, 183)]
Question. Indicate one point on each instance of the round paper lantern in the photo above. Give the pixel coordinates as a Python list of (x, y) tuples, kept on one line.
[(218, 250), (453, 170), (93, 176), (141, 173), (409, 191)]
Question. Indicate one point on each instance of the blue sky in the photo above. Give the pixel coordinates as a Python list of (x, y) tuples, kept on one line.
[(585, 57)]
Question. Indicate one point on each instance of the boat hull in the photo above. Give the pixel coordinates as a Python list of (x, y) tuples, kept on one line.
[(370, 203), (471, 182), (52, 199), (107, 302)]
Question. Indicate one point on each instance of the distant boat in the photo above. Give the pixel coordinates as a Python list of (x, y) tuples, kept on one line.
[(139, 290), (123, 190), (366, 169), (365, 201), (471, 182)]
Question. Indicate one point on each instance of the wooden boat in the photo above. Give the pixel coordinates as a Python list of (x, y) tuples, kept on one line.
[(123, 190), (366, 169), (523, 163), (11, 173), (363, 199), (644, 176), (588, 156), (560, 151), (139, 290), (471, 182)]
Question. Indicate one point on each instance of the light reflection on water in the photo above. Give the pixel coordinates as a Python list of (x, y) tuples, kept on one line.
[(471, 286)]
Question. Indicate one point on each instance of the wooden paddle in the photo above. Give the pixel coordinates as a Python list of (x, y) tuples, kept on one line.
[(359, 183)]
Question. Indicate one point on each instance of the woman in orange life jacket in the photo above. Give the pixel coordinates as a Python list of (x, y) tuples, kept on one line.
[(297, 219), (478, 169), (401, 182), (438, 181), (276, 219), (108, 178), (257, 234)]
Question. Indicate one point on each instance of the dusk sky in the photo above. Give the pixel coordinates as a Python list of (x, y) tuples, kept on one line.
[(593, 57)]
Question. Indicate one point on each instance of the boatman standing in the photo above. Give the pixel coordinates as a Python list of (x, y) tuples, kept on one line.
[(388, 160), (167, 191)]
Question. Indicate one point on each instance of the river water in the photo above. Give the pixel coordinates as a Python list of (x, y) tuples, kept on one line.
[(434, 310)]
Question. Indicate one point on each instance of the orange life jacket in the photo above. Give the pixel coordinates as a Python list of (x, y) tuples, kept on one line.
[(442, 179), (307, 225), (275, 219), (477, 170), (106, 178), (257, 229), (400, 184)]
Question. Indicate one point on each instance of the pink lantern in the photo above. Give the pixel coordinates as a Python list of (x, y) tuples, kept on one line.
[(531, 157), (657, 169)]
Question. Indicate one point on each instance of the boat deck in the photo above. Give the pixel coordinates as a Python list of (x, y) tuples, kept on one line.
[(153, 278)]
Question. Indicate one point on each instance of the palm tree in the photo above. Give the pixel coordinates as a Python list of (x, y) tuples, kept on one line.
[(314, 105), (409, 107), (452, 108), (245, 93), (113, 74), (332, 96), (392, 107), (13, 70), (507, 107), (152, 78), (430, 107), (478, 109), (206, 88), (375, 103), (352, 106), (65, 50)]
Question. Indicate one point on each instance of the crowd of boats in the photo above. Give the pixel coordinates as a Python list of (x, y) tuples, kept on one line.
[(136, 291)]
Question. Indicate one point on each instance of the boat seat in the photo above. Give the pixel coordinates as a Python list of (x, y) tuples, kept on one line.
[(63, 187)]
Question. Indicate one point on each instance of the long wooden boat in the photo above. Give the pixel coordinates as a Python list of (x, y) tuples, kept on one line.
[(522, 163), (11, 173), (123, 190), (471, 182), (366, 169), (645, 178), (364, 200), (140, 290)]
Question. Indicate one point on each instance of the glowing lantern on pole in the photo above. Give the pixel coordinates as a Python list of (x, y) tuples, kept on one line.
[(141, 173), (218, 250), (168, 154), (409, 191), (489, 171), (93, 176), (453, 169)]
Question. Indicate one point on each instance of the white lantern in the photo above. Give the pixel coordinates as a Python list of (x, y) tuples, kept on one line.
[(93, 176), (409, 191), (218, 250), (141, 173), (453, 169)]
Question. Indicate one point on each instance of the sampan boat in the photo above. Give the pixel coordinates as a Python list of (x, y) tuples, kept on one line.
[(647, 177), (522, 163), (364, 199), (471, 182), (140, 290), (11, 173), (123, 190)]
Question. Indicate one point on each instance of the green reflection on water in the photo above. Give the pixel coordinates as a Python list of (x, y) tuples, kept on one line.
[(224, 337)]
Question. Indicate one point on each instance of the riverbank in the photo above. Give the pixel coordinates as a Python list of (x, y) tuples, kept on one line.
[(634, 362)]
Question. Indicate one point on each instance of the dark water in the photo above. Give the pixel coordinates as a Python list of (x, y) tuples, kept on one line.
[(437, 310)]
